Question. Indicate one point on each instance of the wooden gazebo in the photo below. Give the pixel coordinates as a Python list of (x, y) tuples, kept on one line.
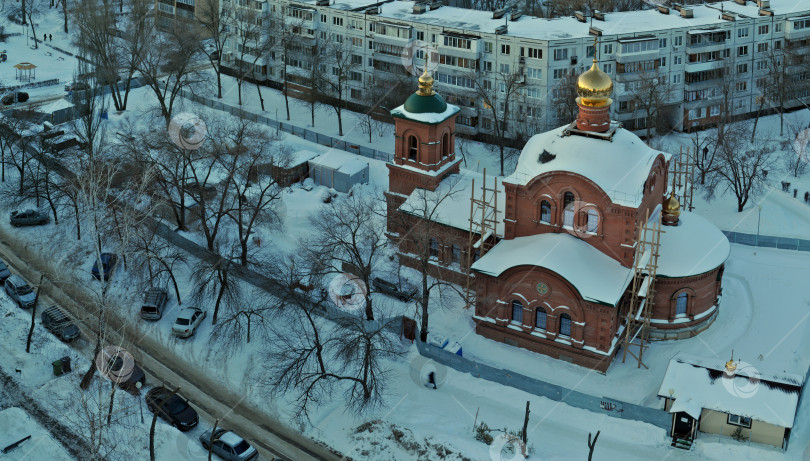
[(25, 71)]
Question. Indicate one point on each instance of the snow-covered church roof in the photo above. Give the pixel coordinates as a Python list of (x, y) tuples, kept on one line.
[(619, 166), (695, 246), (598, 277), (697, 383)]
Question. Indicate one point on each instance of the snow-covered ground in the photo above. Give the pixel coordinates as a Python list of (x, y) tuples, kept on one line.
[(763, 318)]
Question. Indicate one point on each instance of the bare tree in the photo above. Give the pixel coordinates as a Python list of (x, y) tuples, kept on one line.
[(650, 96), (339, 58), (316, 359), (252, 43), (161, 259), (740, 166), (241, 322), (798, 156), (286, 37), (419, 236), (214, 277), (169, 64), (350, 233), (499, 90), (215, 22)]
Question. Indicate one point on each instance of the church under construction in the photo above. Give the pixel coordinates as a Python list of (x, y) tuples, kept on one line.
[(582, 252)]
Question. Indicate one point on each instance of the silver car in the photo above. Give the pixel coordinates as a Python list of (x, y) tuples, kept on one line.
[(187, 321), (18, 290), (228, 445)]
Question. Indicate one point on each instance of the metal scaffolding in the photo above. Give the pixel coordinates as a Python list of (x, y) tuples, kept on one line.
[(682, 169)]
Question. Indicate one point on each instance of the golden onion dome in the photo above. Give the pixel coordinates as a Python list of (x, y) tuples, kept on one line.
[(426, 84), (671, 206), (594, 87)]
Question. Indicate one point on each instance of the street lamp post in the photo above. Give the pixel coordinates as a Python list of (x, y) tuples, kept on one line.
[(140, 405), (759, 218)]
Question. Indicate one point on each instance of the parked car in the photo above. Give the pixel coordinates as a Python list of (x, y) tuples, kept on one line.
[(28, 218), (187, 321), (11, 98), (176, 411), (228, 446), (18, 290), (57, 322), (403, 291), (76, 86), (154, 300), (4, 272), (108, 262), (128, 382)]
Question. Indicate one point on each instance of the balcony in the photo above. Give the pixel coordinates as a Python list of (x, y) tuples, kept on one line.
[(703, 65), (706, 41)]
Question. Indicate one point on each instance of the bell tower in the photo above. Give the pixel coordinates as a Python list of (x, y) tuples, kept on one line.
[(425, 133), (594, 88)]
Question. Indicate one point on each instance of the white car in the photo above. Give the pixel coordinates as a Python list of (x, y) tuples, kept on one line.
[(187, 321)]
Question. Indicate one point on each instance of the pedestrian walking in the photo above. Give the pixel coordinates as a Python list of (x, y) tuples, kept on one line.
[(432, 379), (50, 36), (44, 37)]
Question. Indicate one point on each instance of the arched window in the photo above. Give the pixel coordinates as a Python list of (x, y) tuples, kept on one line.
[(445, 145), (413, 147), (680, 303), (565, 325), (568, 207), (434, 248), (540, 319), (517, 312), (476, 255), (456, 250), (545, 211), (593, 221)]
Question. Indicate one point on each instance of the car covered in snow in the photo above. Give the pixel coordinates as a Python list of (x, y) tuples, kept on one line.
[(76, 86), (4, 272), (108, 262), (187, 322), (171, 407), (18, 290), (403, 290), (228, 446), (57, 322), (11, 98), (19, 218)]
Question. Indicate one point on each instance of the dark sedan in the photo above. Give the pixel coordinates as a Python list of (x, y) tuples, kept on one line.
[(108, 262), (175, 410), (4, 272), (28, 218)]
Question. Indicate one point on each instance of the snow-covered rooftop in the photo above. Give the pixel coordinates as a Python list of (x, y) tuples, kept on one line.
[(335, 160), (695, 246), (59, 104), (618, 23), (454, 210), (698, 382), (597, 277), (426, 117), (619, 166)]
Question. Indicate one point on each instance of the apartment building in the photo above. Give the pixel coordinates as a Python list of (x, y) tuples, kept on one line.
[(709, 58), (167, 12)]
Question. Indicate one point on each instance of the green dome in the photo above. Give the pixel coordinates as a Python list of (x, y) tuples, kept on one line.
[(419, 104)]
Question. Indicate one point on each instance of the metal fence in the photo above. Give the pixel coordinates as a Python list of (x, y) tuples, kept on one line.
[(305, 133), (768, 241), (609, 406)]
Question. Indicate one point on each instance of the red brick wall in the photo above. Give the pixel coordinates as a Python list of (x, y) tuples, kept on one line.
[(702, 291), (617, 224)]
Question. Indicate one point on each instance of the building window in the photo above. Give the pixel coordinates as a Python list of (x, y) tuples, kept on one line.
[(476, 255), (560, 54), (738, 420), (742, 51), (413, 148), (593, 221), (517, 312), (487, 47), (446, 145), (456, 253), (677, 41), (608, 48), (662, 43), (568, 207), (763, 29), (565, 325), (762, 47), (680, 303), (540, 319), (545, 211), (505, 49), (434, 248), (742, 32)]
